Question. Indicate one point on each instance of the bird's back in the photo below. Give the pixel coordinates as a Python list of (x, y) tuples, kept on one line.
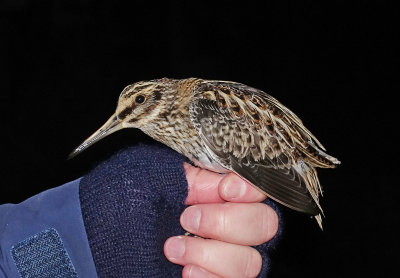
[(254, 135)]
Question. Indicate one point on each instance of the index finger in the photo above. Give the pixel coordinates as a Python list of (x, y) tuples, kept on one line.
[(209, 187)]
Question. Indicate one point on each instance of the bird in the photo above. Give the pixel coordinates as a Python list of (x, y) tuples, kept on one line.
[(225, 126)]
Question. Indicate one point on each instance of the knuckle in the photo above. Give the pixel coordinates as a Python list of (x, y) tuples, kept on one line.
[(222, 227), (206, 258)]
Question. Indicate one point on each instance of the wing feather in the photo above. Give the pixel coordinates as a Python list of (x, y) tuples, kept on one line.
[(252, 134), (263, 164)]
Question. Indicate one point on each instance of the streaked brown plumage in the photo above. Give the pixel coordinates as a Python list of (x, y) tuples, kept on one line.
[(226, 126)]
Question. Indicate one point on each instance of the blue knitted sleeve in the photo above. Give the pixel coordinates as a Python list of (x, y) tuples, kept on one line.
[(130, 205)]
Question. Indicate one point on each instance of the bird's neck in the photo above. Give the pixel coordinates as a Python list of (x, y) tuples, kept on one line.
[(172, 125)]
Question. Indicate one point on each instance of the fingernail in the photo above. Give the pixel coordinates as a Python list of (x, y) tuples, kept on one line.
[(190, 219), (234, 187), (197, 272), (175, 248)]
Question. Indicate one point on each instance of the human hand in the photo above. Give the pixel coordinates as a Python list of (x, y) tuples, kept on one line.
[(226, 211)]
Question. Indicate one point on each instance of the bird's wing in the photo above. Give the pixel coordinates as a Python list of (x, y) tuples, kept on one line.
[(246, 132)]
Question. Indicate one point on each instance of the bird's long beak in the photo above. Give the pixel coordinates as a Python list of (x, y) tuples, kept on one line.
[(112, 125)]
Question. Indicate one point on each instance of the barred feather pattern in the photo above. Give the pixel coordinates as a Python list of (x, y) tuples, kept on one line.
[(251, 133)]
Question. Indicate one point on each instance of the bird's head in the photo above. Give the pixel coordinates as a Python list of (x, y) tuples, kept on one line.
[(138, 104)]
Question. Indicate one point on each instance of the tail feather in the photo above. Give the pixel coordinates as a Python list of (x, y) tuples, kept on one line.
[(310, 177)]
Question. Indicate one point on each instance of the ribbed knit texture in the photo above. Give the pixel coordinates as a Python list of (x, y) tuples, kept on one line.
[(130, 205)]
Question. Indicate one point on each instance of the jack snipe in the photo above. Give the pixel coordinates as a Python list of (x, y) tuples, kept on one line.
[(227, 126)]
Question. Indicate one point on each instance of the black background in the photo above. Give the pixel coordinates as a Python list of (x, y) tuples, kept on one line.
[(64, 63)]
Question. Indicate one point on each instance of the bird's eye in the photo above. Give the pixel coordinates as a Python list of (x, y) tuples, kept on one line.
[(139, 99)]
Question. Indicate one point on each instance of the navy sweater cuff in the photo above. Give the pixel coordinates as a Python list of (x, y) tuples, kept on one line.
[(130, 205)]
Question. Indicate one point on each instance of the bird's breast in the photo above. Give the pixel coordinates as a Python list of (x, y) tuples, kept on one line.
[(206, 162)]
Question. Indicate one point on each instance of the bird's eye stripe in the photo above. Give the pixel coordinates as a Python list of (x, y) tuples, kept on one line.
[(133, 89), (124, 113), (157, 94)]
